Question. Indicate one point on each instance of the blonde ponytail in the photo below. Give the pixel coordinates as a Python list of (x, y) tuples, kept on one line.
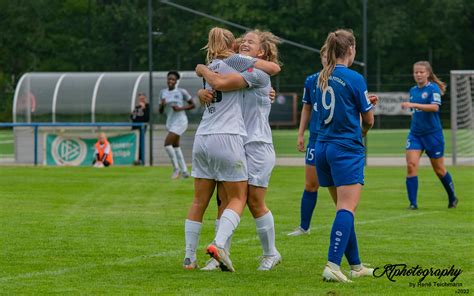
[(337, 44), (220, 44)]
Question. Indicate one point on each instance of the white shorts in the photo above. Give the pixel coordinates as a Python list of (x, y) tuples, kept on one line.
[(260, 162), (219, 157), (177, 127)]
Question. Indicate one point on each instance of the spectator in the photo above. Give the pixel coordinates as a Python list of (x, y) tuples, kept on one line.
[(103, 152), (141, 113)]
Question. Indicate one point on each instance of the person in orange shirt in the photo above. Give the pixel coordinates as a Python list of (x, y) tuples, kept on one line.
[(103, 152)]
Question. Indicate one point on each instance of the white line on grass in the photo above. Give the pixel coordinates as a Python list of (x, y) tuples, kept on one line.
[(62, 271), (125, 261)]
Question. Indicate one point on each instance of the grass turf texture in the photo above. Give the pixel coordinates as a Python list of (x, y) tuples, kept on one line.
[(120, 231), (380, 143), (6, 143)]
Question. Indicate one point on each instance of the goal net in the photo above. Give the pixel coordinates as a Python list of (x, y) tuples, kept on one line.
[(462, 117)]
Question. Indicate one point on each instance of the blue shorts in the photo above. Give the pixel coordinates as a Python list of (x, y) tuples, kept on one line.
[(310, 158), (432, 144), (339, 165)]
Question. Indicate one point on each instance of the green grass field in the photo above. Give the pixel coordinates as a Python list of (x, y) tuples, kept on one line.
[(120, 231), (6, 143), (380, 143)]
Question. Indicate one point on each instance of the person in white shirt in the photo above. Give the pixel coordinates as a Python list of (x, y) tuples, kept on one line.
[(218, 152), (174, 102), (258, 143)]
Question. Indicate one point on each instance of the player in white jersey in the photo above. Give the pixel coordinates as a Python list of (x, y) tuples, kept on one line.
[(173, 103), (218, 153), (258, 143)]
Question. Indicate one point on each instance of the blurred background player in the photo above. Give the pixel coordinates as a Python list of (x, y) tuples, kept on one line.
[(258, 143), (310, 193), (140, 114), (426, 133), (173, 103), (343, 105), (103, 152)]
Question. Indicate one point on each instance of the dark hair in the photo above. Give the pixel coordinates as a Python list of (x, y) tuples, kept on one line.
[(175, 73)]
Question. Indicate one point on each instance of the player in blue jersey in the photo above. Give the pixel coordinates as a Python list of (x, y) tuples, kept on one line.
[(310, 193), (426, 133), (343, 105)]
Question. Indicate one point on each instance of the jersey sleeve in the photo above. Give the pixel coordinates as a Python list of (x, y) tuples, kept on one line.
[(185, 93), (361, 95), (307, 91), (161, 95), (240, 62), (435, 97), (255, 78)]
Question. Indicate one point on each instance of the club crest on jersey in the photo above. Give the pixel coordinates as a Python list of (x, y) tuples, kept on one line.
[(424, 95)]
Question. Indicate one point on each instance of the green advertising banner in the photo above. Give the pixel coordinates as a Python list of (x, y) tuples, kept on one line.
[(77, 150)]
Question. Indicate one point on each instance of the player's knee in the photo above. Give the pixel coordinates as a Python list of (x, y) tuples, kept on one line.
[(199, 206), (440, 172), (256, 207), (412, 167), (311, 186)]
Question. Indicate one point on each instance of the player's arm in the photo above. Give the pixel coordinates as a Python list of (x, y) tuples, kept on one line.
[(367, 121), (227, 82), (187, 97), (433, 107), (305, 116), (162, 104), (270, 68), (241, 63)]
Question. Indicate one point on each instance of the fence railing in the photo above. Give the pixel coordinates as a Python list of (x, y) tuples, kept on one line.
[(37, 125)]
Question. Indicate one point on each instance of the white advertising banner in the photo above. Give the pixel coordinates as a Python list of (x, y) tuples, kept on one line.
[(390, 103)]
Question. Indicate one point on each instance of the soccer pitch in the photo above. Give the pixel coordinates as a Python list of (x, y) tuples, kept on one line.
[(121, 231)]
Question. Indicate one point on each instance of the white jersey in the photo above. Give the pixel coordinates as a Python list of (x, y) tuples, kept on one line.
[(256, 106), (175, 97), (224, 114)]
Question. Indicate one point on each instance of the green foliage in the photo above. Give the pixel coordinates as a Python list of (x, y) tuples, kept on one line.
[(105, 35)]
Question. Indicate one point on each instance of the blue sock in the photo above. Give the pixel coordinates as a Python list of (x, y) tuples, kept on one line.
[(308, 203), (340, 233), (449, 186), (352, 250), (412, 189)]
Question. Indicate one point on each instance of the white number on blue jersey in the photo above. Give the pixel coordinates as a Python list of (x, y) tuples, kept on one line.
[(331, 105)]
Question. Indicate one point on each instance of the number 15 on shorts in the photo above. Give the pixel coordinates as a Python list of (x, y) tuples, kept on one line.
[(309, 154)]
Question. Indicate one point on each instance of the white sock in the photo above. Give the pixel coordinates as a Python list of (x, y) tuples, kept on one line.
[(229, 240), (333, 266), (227, 224), (169, 149), (191, 233), (180, 158), (216, 226), (266, 232)]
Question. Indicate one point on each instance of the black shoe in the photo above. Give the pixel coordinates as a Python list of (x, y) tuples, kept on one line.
[(412, 207), (453, 204)]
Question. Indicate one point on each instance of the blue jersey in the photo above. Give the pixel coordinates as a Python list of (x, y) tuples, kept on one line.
[(309, 98), (422, 122), (340, 106)]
